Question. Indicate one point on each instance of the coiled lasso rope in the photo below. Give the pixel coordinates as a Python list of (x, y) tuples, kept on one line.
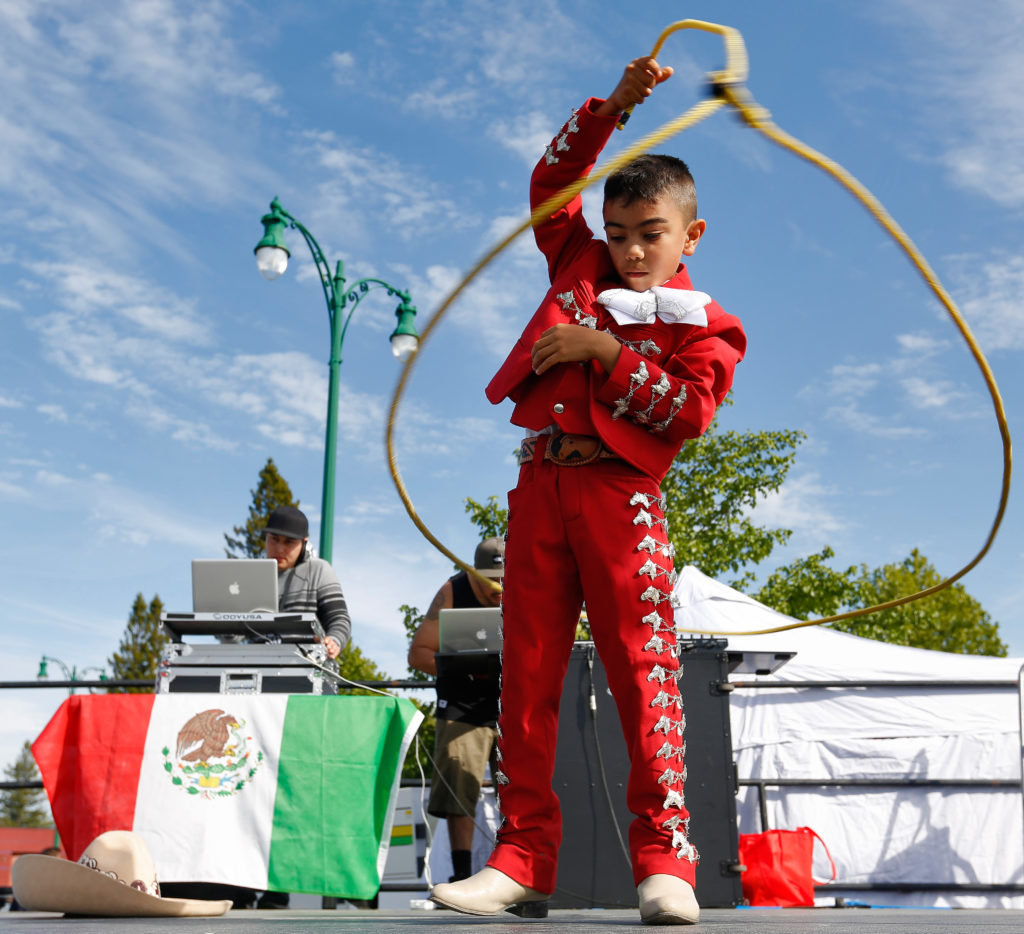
[(728, 87)]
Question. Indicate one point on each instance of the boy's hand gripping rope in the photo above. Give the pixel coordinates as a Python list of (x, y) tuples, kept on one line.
[(728, 87)]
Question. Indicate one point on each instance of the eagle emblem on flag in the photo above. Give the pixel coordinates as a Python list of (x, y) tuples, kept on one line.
[(213, 757)]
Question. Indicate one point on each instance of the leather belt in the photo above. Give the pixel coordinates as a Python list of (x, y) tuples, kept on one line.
[(566, 450)]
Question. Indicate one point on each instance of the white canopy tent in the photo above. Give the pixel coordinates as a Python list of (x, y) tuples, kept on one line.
[(903, 834)]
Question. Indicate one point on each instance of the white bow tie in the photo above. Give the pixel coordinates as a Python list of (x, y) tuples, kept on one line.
[(673, 306)]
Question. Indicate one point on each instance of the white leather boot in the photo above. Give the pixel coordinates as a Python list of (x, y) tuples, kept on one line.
[(488, 892), (667, 899)]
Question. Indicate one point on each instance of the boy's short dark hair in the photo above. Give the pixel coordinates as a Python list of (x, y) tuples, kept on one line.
[(650, 177)]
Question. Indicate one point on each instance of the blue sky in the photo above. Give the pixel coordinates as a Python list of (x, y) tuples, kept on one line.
[(147, 371)]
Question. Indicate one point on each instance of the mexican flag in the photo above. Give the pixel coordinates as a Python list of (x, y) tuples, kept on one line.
[(291, 793)]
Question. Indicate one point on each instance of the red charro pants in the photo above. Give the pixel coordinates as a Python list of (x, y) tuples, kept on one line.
[(591, 533)]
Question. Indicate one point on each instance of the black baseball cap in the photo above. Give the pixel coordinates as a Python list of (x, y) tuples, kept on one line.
[(489, 559), (288, 522)]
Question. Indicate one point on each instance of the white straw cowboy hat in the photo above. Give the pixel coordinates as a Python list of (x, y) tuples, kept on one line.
[(115, 877)]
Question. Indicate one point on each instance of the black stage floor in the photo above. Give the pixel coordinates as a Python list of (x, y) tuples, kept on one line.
[(716, 920)]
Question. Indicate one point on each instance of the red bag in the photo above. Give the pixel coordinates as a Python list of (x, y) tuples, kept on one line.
[(778, 867)]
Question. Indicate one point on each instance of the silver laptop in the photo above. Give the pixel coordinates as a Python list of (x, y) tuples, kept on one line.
[(234, 585), (468, 631)]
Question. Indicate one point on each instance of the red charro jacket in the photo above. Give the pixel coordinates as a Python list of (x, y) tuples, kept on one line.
[(669, 378)]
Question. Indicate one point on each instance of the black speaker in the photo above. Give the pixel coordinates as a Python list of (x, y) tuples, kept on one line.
[(592, 770)]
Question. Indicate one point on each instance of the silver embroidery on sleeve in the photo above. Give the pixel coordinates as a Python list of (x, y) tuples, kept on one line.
[(677, 403), (568, 300), (660, 387), (646, 347), (636, 379), (561, 141)]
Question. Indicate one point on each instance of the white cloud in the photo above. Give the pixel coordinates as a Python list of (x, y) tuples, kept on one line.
[(365, 510), (437, 98), (854, 380), (970, 71), (112, 111), (94, 290), (800, 505), (932, 394), (870, 398), (11, 490), (991, 302), (7, 403), (53, 411), (869, 423), (525, 134), (121, 512), (921, 345), (365, 186), (342, 67)]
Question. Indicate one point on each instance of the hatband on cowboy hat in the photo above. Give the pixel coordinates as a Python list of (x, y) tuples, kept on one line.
[(115, 877)]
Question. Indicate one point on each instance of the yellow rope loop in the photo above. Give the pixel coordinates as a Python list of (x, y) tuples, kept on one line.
[(728, 87), (736, 63)]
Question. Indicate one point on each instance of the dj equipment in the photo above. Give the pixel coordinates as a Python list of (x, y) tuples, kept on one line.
[(257, 653)]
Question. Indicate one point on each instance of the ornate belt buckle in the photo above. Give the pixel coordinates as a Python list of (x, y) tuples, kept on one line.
[(573, 450)]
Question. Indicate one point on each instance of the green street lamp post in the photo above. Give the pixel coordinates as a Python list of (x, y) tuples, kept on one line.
[(70, 674), (272, 259)]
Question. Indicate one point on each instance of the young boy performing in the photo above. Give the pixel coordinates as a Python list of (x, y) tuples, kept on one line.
[(619, 366)]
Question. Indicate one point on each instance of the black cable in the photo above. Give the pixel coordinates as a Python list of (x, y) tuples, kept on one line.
[(600, 759)]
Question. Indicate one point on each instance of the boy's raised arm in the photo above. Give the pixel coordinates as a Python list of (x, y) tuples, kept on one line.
[(639, 79)]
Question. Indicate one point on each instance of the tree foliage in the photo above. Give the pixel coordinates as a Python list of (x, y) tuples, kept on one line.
[(490, 518), (271, 491), (138, 655), (809, 587), (353, 665), (417, 760), (949, 621), (412, 619), (710, 490), (23, 807)]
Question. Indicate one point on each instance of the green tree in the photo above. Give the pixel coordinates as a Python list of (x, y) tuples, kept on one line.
[(490, 518), (353, 665), (412, 619), (809, 587), (271, 491), (418, 758), (23, 807), (138, 655), (710, 490), (949, 621)]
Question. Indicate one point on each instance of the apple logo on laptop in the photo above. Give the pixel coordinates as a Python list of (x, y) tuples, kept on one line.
[(481, 634), (234, 589)]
